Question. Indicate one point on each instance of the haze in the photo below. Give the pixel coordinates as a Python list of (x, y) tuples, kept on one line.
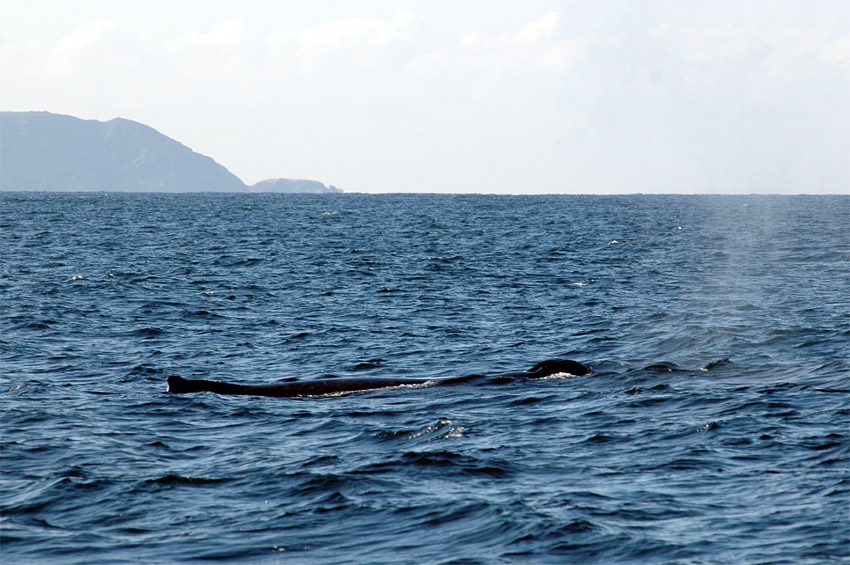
[(477, 96)]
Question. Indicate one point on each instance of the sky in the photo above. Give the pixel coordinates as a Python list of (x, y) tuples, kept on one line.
[(531, 97)]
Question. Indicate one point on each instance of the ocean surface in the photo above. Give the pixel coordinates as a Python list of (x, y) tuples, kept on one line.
[(715, 427)]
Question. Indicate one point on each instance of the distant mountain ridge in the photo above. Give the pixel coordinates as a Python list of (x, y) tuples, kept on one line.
[(55, 152)]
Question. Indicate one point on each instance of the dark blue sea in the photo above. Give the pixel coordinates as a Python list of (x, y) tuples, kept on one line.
[(715, 427)]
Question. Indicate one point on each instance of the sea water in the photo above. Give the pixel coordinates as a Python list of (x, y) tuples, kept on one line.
[(715, 427)]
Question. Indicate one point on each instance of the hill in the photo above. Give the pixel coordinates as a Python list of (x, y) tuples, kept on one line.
[(44, 151), (54, 152)]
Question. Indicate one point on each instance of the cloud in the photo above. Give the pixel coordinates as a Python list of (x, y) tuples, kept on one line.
[(346, 34), (535, 32), (361, 42), (63, 59), (837, 52), (222, 53), (405, 44), (221, 36), (564, 54), (720, 107), (712, 52), (541, 44), (84, 36)]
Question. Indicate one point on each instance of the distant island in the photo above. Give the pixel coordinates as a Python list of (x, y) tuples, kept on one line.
[(293, 185), (54, 152)]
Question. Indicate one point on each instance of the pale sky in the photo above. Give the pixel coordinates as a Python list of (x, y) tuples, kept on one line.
[(479, 96)]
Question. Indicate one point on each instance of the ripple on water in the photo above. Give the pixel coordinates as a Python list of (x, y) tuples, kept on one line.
[(713, 428)]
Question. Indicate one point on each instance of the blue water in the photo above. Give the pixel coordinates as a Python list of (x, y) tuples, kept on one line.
[(741, 455)]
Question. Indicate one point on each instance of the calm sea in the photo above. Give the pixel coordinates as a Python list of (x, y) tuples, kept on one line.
[(735, 450)]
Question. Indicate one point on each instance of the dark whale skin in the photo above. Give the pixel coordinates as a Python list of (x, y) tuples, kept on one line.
[(179, 385)]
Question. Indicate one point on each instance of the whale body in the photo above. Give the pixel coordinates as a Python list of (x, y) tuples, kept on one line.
[(179, 385)]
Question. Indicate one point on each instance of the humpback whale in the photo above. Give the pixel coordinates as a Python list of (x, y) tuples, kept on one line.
[(179, 385)]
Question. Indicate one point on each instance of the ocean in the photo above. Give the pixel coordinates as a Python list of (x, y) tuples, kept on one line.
[(715, 427)]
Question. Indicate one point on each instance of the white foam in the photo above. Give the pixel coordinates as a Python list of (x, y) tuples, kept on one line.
[(561, 375)]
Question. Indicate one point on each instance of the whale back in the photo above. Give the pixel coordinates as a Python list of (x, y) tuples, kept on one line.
[(319, 387), (555, 366), (179, 385)]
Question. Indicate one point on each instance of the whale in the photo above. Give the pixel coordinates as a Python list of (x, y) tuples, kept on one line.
[(334, 386)]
